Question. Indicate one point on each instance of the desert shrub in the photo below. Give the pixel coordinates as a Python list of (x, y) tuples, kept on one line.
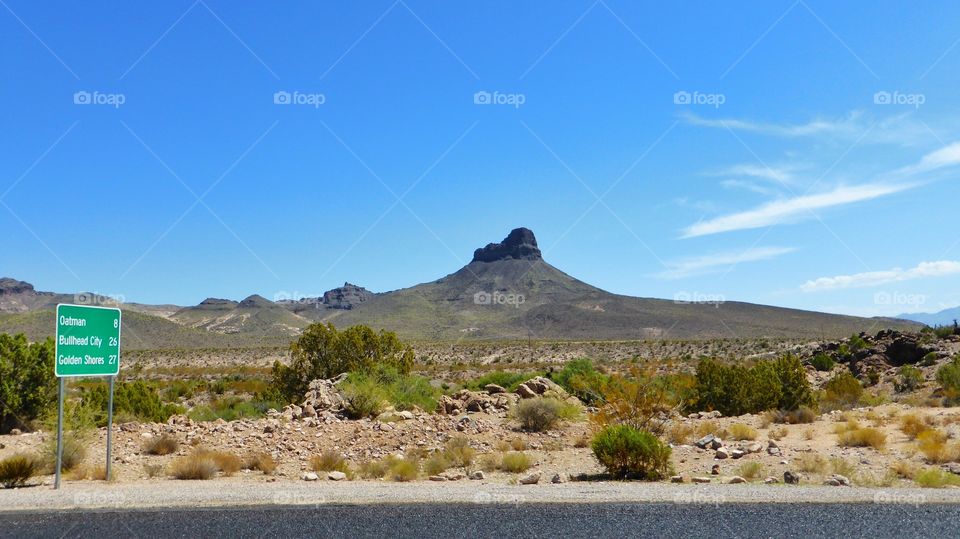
[(403, 470), (862, 437), (162, 445), (841, 392), (538, 414), (516, 443), (737, 390), (710, 427), (909, 378), (16, 470), (640, 400), (233, 408), (364, 397), (580, 379), (948, 376), (933, 444), (515, 462), (28, 389), (223, 461), (193, 466), (507, 380), (262, 462), (458, 451), (750, 470), (912, 425), (739, 431), (778, 433), (375, 469), (436, 463), (812, 463), (386, 384), (823, 362), (137, 399), (329, 461), (490, 461), (679, 433), (936, 478), (153, 470), (904, 469), (628, 452), (804, 414), (322, 351)]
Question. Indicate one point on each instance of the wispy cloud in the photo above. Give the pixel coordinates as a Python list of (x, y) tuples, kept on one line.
[(817, 126), (791, 209), (947, 156), (717, 262), (938, 268), (778, 173)]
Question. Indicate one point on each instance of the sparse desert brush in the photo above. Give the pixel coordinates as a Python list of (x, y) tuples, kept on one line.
[(458, 451), (582, 441), (843, 467), (711, 427), (153, 470), (913, 424), (436, 463), (875, 418), (778, 433), (16, 470), (517, 444), (812, 463), (936, 478), (95, 473), (194, 466), (490, 461), (750, 470), (803, 414), (329, 461), (262, 462), (515, 462), (376, 469), (933, 444), (552, 445), (862, 437), (162, 445), (541, 414), (679, 433), (848, 425), (503, 445), (904, 469), (766, 419), (739, 432), (403, 470), (809, 434)]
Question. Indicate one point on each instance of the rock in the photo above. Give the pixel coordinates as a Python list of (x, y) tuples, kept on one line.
[(702, 443), (791, 478), (678, 479), (452, 476), (406, 415), (754, 447), (437, 478), (735, 480), (837, 480), (558, 478), (531, 479), (525, 392), (309, 411), (520, 244), (701, 480), (737, 453), (773, 450), (722, 453), (308, 476), (477, 476), (346, 297), (717, 443), (494, 389), (474, 405), (18, 432), (715, 470), (144, 435), (336, 476), (953, 467), (771, 481), (324, 395)]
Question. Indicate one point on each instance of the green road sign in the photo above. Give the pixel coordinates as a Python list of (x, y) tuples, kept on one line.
[(88, 341)]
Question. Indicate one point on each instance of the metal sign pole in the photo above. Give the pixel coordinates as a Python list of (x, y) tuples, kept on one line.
[(110, 426), (56, 481)]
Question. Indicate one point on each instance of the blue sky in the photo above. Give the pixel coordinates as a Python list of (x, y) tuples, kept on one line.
[(802, 154)]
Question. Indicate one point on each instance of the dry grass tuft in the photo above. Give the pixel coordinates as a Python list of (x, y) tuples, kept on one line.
[(515, 462), (194, 466), (329, 461), (678, 433), (164, 445), (750, 470), (812, 463), (262, 462), (913, 424), (862, 437), (739, 431), (933, 444)]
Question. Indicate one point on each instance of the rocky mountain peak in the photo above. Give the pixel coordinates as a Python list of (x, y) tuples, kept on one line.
[(347, 296), (13, 286), (520, 244), (255, 300)]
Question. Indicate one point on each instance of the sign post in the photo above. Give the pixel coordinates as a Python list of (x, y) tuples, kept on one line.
[(88, 344)]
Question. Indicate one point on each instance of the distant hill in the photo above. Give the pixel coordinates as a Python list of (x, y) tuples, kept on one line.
[(945, 317), (506, 292)]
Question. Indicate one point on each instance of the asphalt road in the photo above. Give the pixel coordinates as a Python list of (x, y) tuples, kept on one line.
[(502, 520)]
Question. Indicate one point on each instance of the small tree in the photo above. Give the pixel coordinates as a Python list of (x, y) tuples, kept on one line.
[(28, 388), (628, 452)]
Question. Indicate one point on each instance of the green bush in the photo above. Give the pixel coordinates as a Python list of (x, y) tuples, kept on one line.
[(948, 376), (15, 471), (580, 379), (323, 352), (138, 399), (515, 462), (28, 389), (822, 362), (909, 378), (538, 414), (364, 397), (843, 391), (368, 393), (627, 452), (736, 390), (232, 408)]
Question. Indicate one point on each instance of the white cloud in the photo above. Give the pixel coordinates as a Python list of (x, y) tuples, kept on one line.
[(947, 156), (780, 174), (790, 209), (847, 125), (874, 278), (718, 261)]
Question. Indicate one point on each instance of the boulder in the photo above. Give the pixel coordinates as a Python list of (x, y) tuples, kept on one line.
[(704, 442), (678, 479), (735, 480), (722, 453), (525, 392), (701, 480), (309, 476), (753, 447), (336, 476), (791, 478), (477, 475), (737, 453), (531, 479), (494, 389), (558, 478), (837, 480)]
